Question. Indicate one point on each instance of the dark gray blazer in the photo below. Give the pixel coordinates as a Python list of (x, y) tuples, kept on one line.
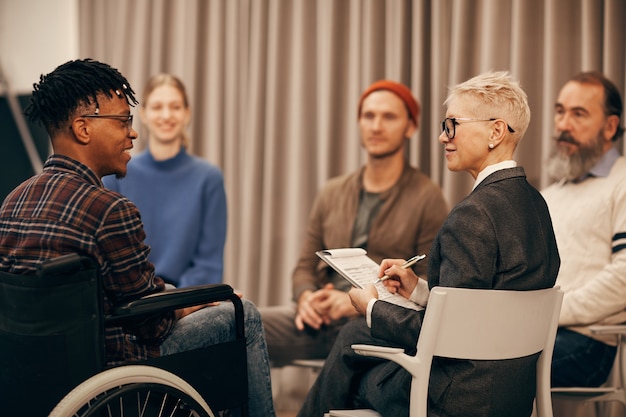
[(498, 237)]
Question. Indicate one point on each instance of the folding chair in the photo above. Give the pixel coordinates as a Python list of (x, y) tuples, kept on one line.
[(613, 389), (480, 325), (52, 350)]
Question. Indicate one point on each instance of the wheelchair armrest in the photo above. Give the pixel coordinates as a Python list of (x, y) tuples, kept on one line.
[(174, 299), (65, 264), (180, 298)]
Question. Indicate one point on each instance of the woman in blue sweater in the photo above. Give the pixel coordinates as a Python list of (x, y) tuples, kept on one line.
[(181, 197)]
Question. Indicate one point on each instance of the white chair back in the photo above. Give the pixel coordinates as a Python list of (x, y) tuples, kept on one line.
[(480, 325)]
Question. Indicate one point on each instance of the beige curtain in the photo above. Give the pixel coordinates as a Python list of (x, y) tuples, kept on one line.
[(274, 86)]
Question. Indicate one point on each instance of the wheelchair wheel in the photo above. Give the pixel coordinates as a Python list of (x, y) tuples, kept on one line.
[(133, 391)]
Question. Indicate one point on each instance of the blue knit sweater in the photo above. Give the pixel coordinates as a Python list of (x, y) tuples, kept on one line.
[(182, 202)]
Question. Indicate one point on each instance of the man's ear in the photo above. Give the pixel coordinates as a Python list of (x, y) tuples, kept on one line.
[(410, 129), (611, 126), (81, 131)]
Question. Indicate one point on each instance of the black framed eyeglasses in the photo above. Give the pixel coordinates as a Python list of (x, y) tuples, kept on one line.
[(127, 119), (448, 125)]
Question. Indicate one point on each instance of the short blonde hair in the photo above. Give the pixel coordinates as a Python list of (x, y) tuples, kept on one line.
[(501, 97)]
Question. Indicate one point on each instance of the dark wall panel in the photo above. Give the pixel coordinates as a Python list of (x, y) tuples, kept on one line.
[(15, 166)]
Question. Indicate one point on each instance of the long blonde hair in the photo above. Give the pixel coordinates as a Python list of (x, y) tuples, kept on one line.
[(167, 79)]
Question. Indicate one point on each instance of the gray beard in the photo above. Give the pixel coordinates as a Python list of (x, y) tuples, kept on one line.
[(570, 167)]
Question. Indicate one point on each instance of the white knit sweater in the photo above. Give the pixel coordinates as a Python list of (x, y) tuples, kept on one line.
[(589, 220)]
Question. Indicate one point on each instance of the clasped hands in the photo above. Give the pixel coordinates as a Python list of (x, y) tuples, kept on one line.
[(321, 307)]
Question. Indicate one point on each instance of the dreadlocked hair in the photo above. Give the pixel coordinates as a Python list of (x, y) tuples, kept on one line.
[(72, 85)]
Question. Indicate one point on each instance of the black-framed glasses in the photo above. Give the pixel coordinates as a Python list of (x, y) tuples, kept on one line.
[(127, 119), (448, 125)]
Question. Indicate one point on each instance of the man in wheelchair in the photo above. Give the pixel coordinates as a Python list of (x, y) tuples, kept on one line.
[(85, 107)]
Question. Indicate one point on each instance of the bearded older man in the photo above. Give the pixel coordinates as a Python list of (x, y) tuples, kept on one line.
[(587, 204)]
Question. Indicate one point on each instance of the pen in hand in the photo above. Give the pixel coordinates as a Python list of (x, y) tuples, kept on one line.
[(405, 265)]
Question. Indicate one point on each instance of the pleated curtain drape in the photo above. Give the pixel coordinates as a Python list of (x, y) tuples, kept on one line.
[(274, 86)]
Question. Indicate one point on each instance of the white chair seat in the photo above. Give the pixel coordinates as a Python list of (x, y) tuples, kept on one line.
[(315, 364), (353, 413)]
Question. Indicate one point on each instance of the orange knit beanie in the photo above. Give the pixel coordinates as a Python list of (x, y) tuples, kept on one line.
[(398, 89)]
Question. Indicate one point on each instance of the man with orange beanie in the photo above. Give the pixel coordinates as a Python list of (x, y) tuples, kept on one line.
[(387, 207)]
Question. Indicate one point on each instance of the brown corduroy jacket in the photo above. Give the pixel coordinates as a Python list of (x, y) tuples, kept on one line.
[(406, 224)]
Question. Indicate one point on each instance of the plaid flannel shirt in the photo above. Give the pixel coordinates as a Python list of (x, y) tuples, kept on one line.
[(66, 209)]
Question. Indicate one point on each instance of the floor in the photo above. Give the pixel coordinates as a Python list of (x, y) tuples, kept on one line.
[(569, 410), (290, 385)]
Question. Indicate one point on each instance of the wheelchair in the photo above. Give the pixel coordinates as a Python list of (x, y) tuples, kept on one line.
[(52, 355)]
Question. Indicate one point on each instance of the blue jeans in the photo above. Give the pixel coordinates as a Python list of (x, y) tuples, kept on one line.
[(580, 361), (213, 325)]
